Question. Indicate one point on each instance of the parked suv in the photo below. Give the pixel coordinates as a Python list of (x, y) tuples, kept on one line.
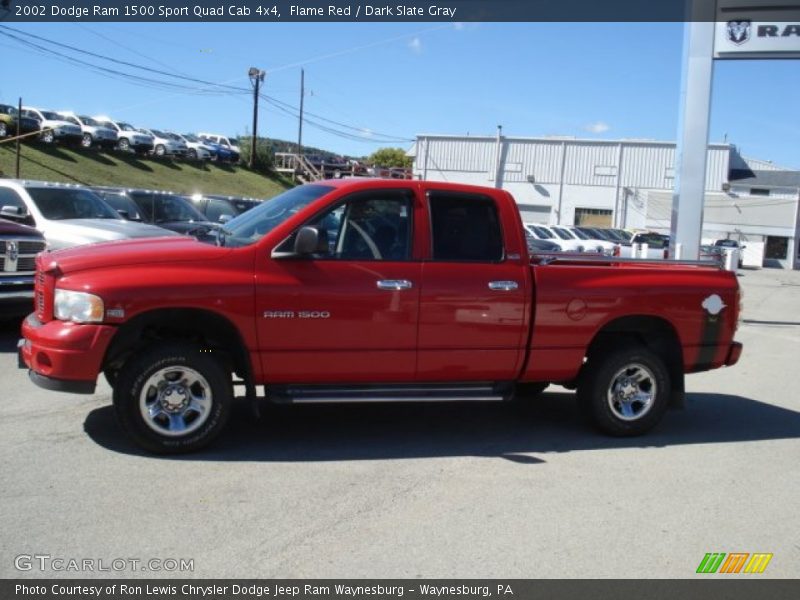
[(53, 126), (94, 134), (9, 117), (220, 209), (67, 215), (232, 144), (164, 209), (166, 145), (19, 246), (197, 149), (128, 137)]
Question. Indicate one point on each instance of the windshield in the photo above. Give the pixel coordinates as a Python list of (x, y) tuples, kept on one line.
[(580, 234), (564, 235), (127, 127), (57, 204), (165, 208), (157, 133), (542, 232), (251, 226), (120, 202), (89, 121), (51, 116), (233, 142), (613, 235)]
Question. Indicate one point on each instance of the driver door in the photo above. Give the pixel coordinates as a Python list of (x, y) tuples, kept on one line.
[(347, 315)]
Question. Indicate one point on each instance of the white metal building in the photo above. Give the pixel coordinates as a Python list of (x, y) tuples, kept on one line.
[(622, 183)]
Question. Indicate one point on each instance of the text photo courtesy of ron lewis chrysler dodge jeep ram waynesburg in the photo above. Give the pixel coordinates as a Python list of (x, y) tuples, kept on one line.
[(370, 290)]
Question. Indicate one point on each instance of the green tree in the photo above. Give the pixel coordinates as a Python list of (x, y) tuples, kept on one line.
[(390, 157), (264, 155)]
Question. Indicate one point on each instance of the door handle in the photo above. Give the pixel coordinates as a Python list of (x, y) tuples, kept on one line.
[(503, 286), (394, 284)]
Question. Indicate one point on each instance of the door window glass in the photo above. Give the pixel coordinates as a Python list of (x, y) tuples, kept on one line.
[(368, 226), (465, 228)]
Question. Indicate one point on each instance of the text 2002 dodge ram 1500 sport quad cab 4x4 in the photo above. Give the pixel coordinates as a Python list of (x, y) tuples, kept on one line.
[(370, 290)]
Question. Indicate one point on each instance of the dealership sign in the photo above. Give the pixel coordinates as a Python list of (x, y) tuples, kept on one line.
[(756, 39)]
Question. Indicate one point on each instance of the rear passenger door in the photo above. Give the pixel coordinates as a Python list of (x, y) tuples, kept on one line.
[(475, 289)]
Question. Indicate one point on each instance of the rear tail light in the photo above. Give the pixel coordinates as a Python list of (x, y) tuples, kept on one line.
[(666, 253), (617, 251)]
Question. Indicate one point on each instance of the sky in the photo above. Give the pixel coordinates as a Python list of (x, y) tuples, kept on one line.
[(372, 85)]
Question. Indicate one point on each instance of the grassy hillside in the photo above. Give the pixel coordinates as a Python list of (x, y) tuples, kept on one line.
[(72, 165)]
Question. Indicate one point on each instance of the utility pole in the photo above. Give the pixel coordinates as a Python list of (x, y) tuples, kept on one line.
[(19, 132), (300, 124), (256, 77)]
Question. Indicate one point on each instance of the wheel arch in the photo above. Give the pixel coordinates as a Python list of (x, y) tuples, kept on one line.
[(655, 333), (204, 327)]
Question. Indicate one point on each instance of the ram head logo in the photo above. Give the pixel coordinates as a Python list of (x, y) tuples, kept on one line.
[(12, 251), (738, 32)]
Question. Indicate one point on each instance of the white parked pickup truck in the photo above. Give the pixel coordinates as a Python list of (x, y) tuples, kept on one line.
[(650, 245)]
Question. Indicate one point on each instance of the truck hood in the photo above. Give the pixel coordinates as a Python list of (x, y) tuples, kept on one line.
[(75, 232), (136, 252)]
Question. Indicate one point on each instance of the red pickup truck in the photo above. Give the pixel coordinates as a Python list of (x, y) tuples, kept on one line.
[(370, 290)]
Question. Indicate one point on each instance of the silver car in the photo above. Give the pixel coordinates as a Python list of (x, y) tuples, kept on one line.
[(68, 215)]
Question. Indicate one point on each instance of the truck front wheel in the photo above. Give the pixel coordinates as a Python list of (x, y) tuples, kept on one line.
[(172, 398), (625, 392)]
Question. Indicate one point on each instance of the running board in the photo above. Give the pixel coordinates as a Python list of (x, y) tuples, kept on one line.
[(312, 394)]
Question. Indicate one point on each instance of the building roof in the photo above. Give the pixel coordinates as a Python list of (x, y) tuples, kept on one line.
[(757, 178)]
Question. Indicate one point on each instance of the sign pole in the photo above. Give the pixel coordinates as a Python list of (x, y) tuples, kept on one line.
[(692, 149)]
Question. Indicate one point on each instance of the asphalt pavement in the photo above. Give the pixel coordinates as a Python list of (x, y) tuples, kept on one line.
[(469, 490)]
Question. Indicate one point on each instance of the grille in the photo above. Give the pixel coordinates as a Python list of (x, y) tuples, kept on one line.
[(2, 247), (26, 264), (30, 247), (2, 264)]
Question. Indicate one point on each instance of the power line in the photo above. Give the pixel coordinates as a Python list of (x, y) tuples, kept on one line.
[(116, 74), (118, 61)]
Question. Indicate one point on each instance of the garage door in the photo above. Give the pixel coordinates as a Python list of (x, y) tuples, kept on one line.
[(592, 217), (532, 213)]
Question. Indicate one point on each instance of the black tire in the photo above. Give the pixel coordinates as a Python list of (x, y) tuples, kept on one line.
[(48, 137), (146, 383), (160, 150), (3, 129), (86, 140), (612, 398), (192, 154), (123, 144)]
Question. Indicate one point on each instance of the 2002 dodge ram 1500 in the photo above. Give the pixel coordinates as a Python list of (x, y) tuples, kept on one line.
[(370, 290)]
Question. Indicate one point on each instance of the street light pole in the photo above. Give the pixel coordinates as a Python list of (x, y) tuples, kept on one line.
[(256, 77)]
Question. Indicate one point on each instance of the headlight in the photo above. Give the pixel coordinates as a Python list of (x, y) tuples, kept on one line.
[(78, 306)]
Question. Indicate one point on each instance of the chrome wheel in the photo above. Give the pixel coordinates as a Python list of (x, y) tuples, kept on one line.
[(632, 392), (86, 141), (175, 401)]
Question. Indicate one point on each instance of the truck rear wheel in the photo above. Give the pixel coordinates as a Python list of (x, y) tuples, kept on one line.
[(172, 398), (626, 392)]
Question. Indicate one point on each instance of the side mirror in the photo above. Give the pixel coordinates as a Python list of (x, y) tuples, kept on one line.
[(307, 241), (14, 212), (224, 218), (124, 214)]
